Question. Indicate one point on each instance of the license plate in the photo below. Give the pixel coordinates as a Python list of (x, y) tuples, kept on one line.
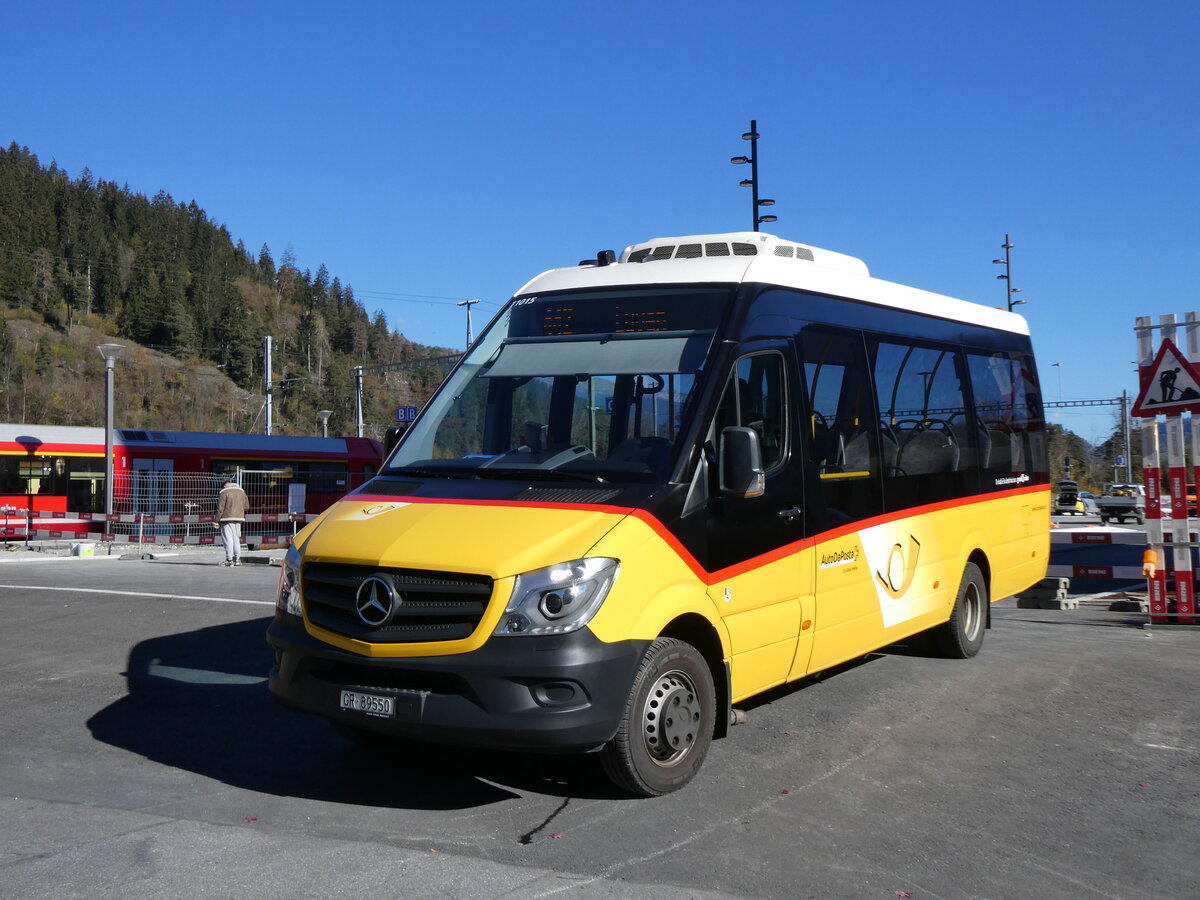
[(371, 704)]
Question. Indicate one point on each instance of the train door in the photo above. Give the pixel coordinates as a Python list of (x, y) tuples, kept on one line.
[(152, 491)]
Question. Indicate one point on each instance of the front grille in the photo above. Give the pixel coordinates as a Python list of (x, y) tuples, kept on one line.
[(430, 606)]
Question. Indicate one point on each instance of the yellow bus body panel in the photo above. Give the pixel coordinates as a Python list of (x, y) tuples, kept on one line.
[(497, 540), (779, 617), (658, 583), (883, 581), (756, 613), (764, 607)]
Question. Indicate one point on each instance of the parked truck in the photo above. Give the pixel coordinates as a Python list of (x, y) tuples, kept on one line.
[(1121, 501)]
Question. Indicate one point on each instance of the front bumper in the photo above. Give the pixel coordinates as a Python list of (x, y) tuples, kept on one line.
[(558, 693)]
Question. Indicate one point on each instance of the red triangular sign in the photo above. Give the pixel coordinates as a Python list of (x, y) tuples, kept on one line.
[(1170, 385)]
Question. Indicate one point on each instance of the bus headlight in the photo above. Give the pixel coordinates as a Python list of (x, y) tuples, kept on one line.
[(558, 599), (287, 596)]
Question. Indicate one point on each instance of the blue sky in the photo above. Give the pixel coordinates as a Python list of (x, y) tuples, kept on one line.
[(428, 153)]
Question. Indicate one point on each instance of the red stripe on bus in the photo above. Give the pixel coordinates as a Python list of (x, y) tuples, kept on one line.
[(741, 568)]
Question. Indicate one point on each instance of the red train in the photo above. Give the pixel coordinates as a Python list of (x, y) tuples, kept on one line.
[(60, 469)]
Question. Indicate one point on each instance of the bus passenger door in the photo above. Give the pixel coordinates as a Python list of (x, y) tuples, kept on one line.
[(761, 581), (846, 454)]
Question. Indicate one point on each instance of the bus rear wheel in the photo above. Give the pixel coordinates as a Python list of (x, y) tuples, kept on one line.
[(962, 636), (668, 723)]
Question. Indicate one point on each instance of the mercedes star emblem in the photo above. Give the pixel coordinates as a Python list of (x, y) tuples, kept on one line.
[(375, 600)]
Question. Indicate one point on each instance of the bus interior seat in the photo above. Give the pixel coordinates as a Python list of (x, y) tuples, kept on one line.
[(974, 442), (856, 453), (1006, 449), (823, 449), (928, 451), (890, 449)]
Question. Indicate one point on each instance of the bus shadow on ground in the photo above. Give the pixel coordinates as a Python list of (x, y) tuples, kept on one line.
[(198, 701)]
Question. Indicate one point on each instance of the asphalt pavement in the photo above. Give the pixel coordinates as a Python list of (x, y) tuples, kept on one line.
[(141, 756)]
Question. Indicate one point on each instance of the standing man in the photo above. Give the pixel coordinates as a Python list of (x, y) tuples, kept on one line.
[(232, 504)]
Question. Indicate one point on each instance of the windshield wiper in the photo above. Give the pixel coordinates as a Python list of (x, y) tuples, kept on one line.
[(540, 475)]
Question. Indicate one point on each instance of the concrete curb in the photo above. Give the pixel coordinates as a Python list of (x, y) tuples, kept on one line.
[(12, 559)]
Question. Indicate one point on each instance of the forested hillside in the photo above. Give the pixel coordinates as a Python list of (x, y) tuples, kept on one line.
[(84, 261)]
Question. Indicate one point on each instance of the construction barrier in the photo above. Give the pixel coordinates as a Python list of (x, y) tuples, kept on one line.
[(1100, 553), (260, 529), (1169, 386)]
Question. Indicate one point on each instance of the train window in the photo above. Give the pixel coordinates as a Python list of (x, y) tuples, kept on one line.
[(317, 477), (10, 481), (324, 478)]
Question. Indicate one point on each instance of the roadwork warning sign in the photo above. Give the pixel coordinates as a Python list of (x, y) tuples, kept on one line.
[(1170, 385)]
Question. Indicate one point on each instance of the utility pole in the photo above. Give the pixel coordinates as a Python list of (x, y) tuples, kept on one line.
[(358, 401), (268, 387), (468, 304), (1125, 429)]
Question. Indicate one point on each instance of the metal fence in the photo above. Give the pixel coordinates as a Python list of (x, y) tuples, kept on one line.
[(150, 503)]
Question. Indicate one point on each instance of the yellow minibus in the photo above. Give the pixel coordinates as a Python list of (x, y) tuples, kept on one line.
[(661, 483)]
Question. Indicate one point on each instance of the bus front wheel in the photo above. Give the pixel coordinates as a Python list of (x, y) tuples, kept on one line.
[(668, 722), (962, 636)]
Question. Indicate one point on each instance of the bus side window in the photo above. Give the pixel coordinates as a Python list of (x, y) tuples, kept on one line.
[(937, 442), (1008, 407), (842, 430)]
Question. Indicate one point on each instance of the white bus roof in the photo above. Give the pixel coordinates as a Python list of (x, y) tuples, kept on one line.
[(756, 257)]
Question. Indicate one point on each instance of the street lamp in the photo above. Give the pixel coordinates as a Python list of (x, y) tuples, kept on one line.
[(110, 352), (324, 415), (31, 445), (752, 181), (1007, 276)]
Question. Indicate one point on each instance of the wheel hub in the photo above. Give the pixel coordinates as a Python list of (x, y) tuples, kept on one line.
[(671, 718), (972, 613)]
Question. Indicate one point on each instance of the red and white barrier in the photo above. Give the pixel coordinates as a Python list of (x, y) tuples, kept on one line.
[(1178, 522), (49, 526)]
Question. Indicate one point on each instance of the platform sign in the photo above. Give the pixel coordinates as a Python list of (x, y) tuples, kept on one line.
[(1170, 385)]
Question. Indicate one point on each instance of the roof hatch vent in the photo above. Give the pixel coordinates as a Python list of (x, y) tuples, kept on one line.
[(741, 243)]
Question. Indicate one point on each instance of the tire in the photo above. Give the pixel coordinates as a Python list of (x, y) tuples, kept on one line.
[(962, 636), (668, 723)]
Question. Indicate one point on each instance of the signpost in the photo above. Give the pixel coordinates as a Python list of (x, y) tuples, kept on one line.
[(1170, 386)]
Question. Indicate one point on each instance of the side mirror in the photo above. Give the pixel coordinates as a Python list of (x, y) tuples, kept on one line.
[(741, 463), (391, 438)]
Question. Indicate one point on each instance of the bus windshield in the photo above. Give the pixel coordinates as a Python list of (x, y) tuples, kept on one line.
[(595, 386)]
